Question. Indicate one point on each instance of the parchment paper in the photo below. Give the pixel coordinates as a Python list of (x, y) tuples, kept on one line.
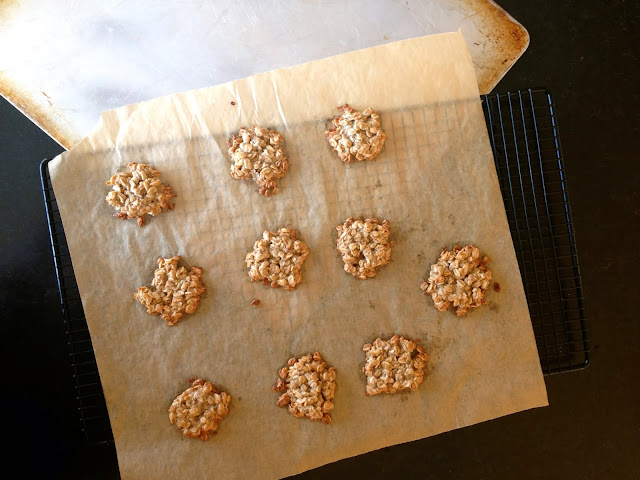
[(436, 184)]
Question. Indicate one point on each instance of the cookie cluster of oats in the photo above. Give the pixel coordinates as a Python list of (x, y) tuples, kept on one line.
[(198, 410), (258, 153), (137, 192), (309, 386), (356, 135), (175, 290), (393, 365), (459, 278), (364, 246), (277, 258)]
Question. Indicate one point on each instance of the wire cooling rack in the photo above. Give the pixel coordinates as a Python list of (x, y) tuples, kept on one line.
[(523, 131), (92, 409)]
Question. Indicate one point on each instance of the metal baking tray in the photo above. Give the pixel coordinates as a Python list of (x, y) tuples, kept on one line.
[(523, 131), (128, 52)]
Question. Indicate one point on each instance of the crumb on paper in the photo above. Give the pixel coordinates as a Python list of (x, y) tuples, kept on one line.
[(277, 258), (356, 135), (175, 290), (233, 103), (309, 386), (258, 153), (198, 411), (255, 303), (364, 246), (459, 278), (139, 192), (393, 365), (496, 286)]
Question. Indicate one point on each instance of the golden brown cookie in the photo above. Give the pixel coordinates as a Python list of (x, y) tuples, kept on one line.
[(355, 135), (364, 246), (175, 290), (139, 192), (258, 153), (198, 411), (393, 365), (459, 278), (277, 258), (309, 386)]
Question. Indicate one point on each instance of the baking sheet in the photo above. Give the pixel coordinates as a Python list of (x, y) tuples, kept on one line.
[(436, 184), (62, 62)]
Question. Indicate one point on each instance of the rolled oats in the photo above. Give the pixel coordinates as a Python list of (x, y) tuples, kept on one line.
[(277, 259), (139, 192), (175, 291), (309, 386), (356, 135), (198, 411), (258, 153), (393, 365), (459, 278), (364, 246)]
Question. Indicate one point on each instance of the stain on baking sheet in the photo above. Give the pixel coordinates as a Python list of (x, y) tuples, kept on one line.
[(48, 98), (506, 40), (25, 101), (45, 118)]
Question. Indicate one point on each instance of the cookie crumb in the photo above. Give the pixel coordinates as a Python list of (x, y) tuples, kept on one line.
[(233, 103), (255, 303), (496, 286)]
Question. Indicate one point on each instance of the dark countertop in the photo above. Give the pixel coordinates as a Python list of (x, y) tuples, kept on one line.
[(588, 54)]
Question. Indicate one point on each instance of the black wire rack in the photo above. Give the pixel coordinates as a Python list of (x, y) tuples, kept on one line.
[(523, 131), (92, 408)]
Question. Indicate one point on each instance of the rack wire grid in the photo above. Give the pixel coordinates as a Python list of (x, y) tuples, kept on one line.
[(523, 131)]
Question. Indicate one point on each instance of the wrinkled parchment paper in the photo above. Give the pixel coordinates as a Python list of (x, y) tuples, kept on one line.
[(435, 182)]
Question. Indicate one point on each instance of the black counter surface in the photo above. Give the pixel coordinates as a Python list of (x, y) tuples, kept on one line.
[(587, 53)]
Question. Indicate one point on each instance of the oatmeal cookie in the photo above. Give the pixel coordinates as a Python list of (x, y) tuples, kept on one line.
[(309, 386), (364, 245), (459, 278), (175, 290), (139, 192), (198, 411), (258, 153), (356, 136), (393, 365), (277, 258)]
